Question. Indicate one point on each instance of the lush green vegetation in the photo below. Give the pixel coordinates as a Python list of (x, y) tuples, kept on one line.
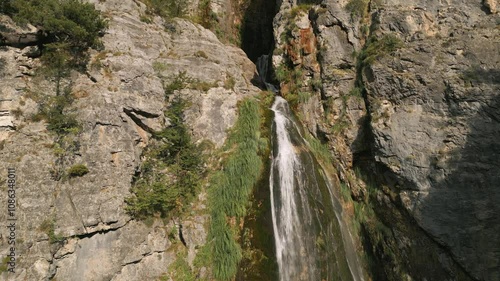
[(231, 188), (170, 175), (70, 27), (319, 149)]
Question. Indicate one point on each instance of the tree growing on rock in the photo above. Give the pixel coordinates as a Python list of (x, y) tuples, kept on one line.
[(66, 27)]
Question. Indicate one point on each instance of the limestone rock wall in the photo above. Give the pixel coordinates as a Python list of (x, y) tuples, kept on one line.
[(435, 125), (119, 101), (426, 127)]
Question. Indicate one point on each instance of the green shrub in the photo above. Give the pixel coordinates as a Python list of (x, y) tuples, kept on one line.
[(167, 193), (71, 26), (167, 8), (180, 81), (52, 110), (282, 73), (201, 54), (376, 48), (77, 170), (206, 17), (358, 8), (298, 9)]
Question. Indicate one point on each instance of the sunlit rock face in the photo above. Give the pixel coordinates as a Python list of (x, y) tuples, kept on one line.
[(119, 101)]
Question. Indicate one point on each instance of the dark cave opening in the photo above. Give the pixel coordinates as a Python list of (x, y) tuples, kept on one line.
[(257, 37)]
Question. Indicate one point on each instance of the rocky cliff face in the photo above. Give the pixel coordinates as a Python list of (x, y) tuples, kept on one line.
[(422, 120), (119, 102)]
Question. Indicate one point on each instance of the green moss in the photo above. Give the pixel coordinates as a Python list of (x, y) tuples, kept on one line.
[(319, 149), (345, 192), (77, 170)]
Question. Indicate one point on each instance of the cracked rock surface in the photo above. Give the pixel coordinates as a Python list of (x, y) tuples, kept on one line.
[(119, 102)]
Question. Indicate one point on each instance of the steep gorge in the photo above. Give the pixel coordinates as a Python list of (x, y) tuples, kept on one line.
[(413, 128)]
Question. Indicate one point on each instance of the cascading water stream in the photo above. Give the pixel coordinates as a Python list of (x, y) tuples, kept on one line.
[(312, 242), (292, 219)]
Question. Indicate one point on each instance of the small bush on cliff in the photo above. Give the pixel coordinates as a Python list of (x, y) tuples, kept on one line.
[(167, 8), (52, 109), (378, 47), (358, 8), (77, 170)]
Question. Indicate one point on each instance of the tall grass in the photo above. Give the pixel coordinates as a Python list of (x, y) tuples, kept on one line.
[(231, 189)]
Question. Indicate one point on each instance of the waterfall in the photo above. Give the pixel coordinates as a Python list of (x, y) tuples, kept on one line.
[(292, 218), (263, 70), (312, 242)]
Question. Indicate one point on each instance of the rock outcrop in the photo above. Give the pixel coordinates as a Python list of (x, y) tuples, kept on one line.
[(425, 127), (435, 123), (119, 102)]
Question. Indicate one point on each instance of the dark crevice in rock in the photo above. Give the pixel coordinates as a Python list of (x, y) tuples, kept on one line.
[(141, 112), (181, 236), (99, 123), (134, 115), (140, 260), (22, 40), (103, 231), (257, 37)]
